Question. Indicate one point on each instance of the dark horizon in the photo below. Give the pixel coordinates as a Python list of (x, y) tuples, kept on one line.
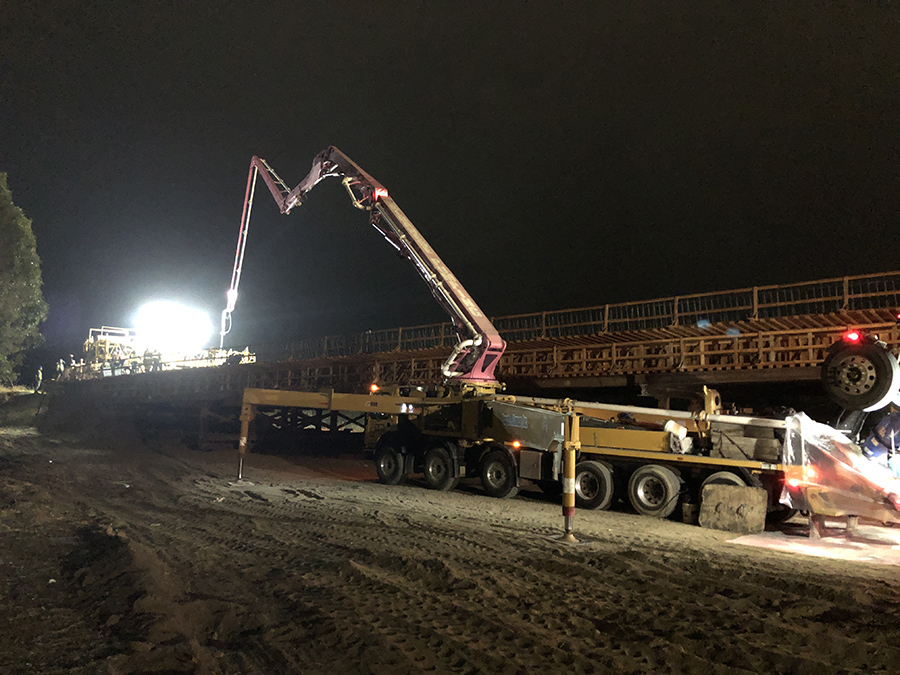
[(553, 156)]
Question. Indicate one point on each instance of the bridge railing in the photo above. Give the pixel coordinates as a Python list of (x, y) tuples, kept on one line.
[(825, 296)]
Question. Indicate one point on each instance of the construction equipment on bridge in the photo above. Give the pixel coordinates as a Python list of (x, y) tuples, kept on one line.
[(110, 351)]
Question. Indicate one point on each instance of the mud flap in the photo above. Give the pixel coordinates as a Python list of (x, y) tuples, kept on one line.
[(733, 508)]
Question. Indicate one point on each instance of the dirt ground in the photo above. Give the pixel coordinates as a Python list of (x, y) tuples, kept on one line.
[(125, 556)]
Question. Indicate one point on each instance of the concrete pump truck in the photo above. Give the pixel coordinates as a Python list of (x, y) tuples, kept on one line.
[(593, 453)]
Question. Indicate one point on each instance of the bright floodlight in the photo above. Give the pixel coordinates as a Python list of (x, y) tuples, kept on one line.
[(170, 327)]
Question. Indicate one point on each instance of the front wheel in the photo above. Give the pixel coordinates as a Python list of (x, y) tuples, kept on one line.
[(498, 474), (654, 490), (438, 470), (593, 485), (389, 465)]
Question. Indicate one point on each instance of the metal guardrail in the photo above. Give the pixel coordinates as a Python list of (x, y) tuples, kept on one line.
[(825, 296), (752, 351)]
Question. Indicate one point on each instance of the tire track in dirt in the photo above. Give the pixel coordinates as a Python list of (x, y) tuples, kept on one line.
[(520, 571), (309, 575), (734, 592)]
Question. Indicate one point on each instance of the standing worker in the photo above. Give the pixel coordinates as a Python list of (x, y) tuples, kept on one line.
[(38, 379)]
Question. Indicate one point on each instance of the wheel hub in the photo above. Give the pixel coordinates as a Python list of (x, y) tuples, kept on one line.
[(496, 474), (854, 374), (651, 491), (587, 486)]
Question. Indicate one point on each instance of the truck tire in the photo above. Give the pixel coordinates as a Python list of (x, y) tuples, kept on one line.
[(390, 465), (438, 469), (861, 376), (653, 490), (498, 474), (594, 486), (723, 478)]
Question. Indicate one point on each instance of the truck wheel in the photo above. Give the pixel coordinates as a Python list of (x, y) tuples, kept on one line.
[(438, 469), (653, 491), (722, 478), (861, 376), (498, 474), (594, 486), (389, 465)]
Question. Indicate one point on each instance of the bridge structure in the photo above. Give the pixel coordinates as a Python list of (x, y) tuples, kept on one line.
[(667, 346)]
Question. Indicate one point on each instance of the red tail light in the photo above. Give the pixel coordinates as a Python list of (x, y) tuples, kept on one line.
[(379, 193), (851, 336)]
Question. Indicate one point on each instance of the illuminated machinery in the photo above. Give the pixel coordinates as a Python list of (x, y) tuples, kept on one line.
[(471, 364), (503, 439), (104, 347), (112, 351)]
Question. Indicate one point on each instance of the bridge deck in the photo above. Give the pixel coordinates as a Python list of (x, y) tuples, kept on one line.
[(761, 334)]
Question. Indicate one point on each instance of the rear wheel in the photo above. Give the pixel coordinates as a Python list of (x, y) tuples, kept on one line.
[(723, 478), (593, 485), (389, 465), (438, 469), (653, 491), (498, 474), (861, 376)]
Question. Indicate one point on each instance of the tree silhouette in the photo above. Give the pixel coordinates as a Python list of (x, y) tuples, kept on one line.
[(22, 306)]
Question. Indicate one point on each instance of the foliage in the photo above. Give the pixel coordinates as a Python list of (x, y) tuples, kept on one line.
[(22, 306)]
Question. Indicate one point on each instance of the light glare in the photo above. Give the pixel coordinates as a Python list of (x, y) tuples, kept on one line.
[(167, 327)]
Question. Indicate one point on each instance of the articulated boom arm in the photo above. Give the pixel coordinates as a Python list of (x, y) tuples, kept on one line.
[(480, 346)]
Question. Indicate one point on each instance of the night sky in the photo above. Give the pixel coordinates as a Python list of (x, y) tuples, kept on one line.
[(554, 154)]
